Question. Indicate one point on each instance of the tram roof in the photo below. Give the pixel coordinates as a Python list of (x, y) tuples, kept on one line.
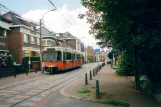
[(61, 48)]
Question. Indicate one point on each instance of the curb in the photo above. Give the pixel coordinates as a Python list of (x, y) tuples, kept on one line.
[(62, 91)]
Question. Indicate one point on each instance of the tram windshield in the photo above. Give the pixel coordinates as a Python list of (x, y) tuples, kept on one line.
[(50, 56)]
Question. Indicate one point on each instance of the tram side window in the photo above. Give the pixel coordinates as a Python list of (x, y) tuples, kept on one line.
[(68, 56), (59, 56), (78, 56), (64, 58), (73, 56)]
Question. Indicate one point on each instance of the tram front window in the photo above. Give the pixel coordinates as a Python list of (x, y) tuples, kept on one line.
[(50, 56)]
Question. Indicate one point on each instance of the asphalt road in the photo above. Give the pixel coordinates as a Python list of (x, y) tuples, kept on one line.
[(31, 92), (59, 100)]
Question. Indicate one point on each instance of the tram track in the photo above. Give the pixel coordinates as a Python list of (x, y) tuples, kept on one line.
[(78, 73), (23, 83), (27, 81)]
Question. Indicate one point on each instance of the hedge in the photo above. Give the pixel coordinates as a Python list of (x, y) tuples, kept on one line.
[(32, 58)]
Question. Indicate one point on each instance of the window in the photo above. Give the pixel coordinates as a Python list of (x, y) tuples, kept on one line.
[(59, 56), (44, 42), (38, 41), (49, 42), (78, 56), (32, 28), (32, 40), (26, 53), (68, 56), (50, 55), (25, 38), (64, 54)]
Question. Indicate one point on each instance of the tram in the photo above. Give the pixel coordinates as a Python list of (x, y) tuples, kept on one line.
[(59, 58)]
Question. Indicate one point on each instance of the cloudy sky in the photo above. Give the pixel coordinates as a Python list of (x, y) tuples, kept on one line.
[(34, 9)]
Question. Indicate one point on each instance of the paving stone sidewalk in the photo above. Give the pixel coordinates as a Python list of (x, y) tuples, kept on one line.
[(111, 87), (19, 77)]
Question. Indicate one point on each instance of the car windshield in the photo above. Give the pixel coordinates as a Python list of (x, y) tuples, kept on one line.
[(50, 56)]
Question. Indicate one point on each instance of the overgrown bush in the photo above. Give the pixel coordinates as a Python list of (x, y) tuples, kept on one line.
[(146, 85), (110, 55), (6, 61), (109, 62), (125, 67)]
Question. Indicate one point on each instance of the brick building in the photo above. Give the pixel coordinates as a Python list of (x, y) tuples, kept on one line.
[(90, 54), (22, 37), (4, 28), (72, 41), (102, 56), (49, 38)]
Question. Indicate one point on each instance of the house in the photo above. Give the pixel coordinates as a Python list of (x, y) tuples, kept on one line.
[(90, 54), (4, 28), (71, 41), (22, 37), (102, 56), (49, 38)]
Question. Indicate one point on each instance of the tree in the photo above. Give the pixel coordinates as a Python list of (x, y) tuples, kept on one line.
[(130, 25)]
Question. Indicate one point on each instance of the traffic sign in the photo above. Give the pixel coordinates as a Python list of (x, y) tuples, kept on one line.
[(97, 51), (29, 50)]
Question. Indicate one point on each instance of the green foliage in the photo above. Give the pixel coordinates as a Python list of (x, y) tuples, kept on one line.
[(109, 62), (83, 90), (146, 85), (10, 61), (110, 55), (32, 58), (6, 61), (117, 103), (125, 67), (127, 24)]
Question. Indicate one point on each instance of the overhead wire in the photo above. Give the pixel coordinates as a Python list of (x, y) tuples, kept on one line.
[(60, 12)]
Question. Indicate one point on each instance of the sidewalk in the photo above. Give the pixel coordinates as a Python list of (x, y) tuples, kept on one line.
[(19, 77), (111, 87)]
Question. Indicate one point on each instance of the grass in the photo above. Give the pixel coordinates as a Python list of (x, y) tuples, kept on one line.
[(83, 90), (117, 103)]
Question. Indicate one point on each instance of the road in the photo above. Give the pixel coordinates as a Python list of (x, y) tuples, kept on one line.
[(31, 92)]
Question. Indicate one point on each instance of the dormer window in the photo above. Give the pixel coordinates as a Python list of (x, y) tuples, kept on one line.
[(32, 28), (32, 40)]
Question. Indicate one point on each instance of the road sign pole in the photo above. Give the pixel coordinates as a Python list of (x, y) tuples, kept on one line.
[(29, 62)]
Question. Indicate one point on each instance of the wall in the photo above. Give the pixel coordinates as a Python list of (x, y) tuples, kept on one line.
[(15, 41), (71, 43)]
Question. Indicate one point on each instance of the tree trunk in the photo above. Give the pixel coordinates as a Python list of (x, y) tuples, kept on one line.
[(136, 67)]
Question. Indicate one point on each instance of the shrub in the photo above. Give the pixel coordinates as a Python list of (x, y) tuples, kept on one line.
[(117, 103), (83, 90), (109, 62), (6, 61), (125, 67), (146, 85), (110, 55), (32, 58)]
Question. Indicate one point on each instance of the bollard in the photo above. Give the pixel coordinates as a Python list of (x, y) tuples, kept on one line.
[(96, 70), (90, 75), (97, 89), (15, 74), (93, 73), (26, 71), (86, 80)]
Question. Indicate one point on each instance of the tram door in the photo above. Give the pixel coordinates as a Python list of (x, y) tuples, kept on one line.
[(64, 60)]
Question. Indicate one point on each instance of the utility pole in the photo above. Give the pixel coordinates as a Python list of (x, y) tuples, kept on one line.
[(41, 47)]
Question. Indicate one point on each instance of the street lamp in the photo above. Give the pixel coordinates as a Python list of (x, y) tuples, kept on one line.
[(41, 64), (84, 50), (46, 13)]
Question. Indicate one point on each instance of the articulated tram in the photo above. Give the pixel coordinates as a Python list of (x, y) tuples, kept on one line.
[(59, 58)]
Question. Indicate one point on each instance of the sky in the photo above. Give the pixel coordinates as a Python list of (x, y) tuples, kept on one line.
[(34, 9)]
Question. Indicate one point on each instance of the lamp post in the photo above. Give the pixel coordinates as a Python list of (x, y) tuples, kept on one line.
[(41, 63)]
